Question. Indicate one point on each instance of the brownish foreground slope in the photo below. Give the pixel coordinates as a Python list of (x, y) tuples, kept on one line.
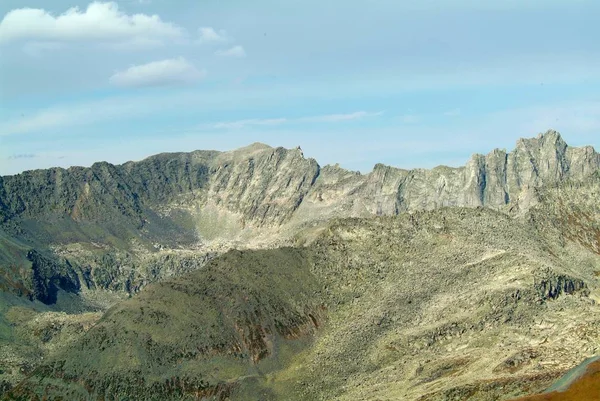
[(586, 388)]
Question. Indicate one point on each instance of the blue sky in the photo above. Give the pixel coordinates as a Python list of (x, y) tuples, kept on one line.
[(355, 82)]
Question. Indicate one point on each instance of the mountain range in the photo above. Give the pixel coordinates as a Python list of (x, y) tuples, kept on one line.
[(257, 274)]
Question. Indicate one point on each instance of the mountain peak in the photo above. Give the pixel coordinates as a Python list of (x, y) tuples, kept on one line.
[(260, 145), (550, 135), (550, 138), (256, 146)]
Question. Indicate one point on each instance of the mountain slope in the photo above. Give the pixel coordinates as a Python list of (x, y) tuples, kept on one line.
[(194, 335), (463, 303), (81, 240)]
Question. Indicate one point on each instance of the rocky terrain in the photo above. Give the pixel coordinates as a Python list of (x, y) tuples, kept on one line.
[(258, 274)]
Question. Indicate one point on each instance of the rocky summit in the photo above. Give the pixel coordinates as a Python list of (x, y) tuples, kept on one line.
[(257, 274)]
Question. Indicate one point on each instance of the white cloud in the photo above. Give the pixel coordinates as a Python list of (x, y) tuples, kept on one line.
[(331, 118), (209, 35), (100, 21), (235, 51), (158, 73)]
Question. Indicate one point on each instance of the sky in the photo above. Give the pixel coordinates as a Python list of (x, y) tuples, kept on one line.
[(405, 83)]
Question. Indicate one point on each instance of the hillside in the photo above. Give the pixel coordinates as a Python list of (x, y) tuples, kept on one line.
[(258, 274), (461, 302)]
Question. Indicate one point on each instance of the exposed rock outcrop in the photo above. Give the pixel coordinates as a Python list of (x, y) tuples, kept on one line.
[(48, 276), (494, 180)]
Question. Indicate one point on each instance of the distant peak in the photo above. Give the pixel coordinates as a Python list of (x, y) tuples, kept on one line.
[(256, 146), (550, 137)]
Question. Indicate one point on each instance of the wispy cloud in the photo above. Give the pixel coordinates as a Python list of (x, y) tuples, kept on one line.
[(75, 115), (135, 44), (234, 52), (572, 115), (158, 73), (100, 21), (581, 118), (332, 118), (329, 118), (42, 120), (134, 107), (37, 49), (409, 118), (22, 156), (115, 108), (210, 35)]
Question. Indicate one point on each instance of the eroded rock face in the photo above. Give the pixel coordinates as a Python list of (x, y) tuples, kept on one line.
[(494, 180), (264, 186), (48, 276)]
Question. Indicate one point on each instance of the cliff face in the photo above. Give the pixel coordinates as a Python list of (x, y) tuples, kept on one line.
[(264, 186), (499, 178), (494, 180), (261, 184)]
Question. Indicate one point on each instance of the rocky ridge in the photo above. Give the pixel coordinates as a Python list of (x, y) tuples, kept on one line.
[(83, 239), (262, 186), (256, 196)]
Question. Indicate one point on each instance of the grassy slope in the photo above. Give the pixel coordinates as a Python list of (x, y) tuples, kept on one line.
[(202, 332)]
